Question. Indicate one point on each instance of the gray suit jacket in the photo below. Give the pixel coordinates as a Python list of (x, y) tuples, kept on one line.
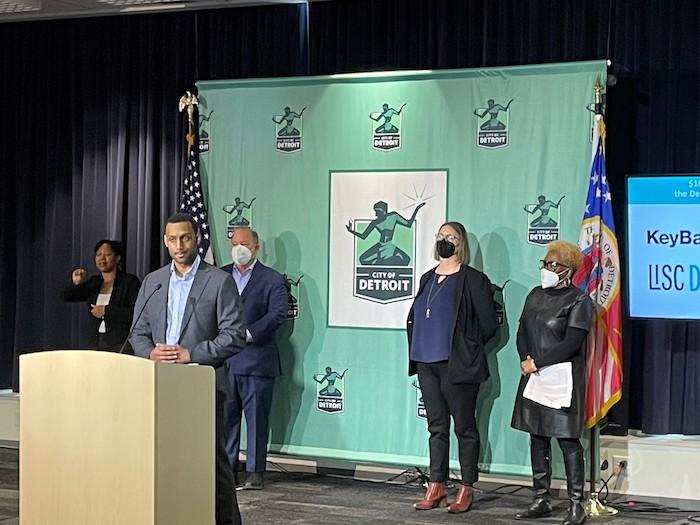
[(212, 325)]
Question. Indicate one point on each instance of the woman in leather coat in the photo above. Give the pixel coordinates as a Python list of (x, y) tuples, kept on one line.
[(553, 328)]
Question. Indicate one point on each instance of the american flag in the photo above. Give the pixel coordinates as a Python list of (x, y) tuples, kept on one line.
[(192, 199), (599, 276)]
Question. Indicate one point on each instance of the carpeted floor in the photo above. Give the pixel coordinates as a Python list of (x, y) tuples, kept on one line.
[(9, 487), (295, 499)]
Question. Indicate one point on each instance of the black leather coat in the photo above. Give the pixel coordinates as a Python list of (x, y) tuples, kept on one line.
[(549, 317)]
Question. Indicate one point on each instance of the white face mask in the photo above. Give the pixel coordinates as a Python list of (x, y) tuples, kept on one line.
[(241, 254), (549, 278)]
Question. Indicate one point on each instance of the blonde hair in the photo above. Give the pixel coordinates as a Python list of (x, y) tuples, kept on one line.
[(570, 254), (462, 250)]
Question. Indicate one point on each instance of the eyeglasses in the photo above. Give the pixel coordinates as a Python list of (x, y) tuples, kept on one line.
[(452, 238), (551, 265)]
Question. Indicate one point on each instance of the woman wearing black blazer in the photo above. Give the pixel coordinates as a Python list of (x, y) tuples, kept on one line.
[(110, 295), (450, 321)]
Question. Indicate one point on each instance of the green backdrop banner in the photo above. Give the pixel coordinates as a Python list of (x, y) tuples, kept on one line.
[(389, 156)]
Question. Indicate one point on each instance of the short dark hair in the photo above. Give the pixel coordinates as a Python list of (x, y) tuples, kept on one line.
[(183, 217), (116, 246)]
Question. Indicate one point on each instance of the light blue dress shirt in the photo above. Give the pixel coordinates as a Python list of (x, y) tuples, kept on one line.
[(242, 278), (178, 292), (241, 282)]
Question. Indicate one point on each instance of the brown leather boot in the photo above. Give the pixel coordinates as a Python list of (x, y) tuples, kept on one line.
[(435, 496), (463, 501)]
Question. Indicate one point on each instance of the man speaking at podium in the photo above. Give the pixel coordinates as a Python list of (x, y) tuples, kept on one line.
[(190, 312)]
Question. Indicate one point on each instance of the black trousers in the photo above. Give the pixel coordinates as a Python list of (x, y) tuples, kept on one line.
[(443, 399), (227, 512)]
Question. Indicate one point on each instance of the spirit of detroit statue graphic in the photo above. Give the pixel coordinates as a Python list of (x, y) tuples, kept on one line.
[(288, 130), (386, 114), (330, 376), (202, 119), (385, 252), (289, 282), (493, 109), (543, 206), (292, 302), (237, 207), (417, 387)]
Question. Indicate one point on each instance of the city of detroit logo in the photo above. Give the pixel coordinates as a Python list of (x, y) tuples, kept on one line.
[(241, 214), (492, 129), (384, 269), (330, 391), (420, 406), (544, 227), (387, 135), (204, 132), (292, 286), (289, 133)]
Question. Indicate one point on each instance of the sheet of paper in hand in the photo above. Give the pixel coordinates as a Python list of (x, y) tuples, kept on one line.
[(552, 386)]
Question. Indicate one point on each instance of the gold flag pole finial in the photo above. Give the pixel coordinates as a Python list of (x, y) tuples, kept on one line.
[(189, 101), (598, 90)]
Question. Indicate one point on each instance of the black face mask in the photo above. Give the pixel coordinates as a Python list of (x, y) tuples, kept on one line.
[(445, 248)]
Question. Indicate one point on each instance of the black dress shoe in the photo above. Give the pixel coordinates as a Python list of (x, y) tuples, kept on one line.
[(576, 515), (254, 481), (539, 509)]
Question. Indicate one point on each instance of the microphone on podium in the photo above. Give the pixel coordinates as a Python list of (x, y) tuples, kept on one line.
[(158, 287)]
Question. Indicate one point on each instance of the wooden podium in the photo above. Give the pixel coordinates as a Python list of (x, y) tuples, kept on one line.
[(109, 439)]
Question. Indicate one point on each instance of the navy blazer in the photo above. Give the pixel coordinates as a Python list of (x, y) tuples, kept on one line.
[(265, 306)]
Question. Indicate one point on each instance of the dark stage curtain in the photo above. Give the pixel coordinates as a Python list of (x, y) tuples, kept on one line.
[(93, 155), (93, 147)]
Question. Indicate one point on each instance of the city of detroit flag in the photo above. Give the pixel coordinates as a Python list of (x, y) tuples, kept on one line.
[(599, 276)]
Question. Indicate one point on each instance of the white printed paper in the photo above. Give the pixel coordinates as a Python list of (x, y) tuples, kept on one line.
[(552, 386)]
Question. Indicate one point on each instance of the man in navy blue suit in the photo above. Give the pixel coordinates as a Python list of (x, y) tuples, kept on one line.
[(252, 372)]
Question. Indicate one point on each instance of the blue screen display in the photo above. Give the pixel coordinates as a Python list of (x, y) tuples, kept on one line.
[(663, 246)]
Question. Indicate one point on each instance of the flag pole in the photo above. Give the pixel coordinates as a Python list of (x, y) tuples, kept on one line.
[(594, 507), (192, 199)]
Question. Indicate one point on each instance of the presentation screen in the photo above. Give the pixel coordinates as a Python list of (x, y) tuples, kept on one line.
[(663, 246)]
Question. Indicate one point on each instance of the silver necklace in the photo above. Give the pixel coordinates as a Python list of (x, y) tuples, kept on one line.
[(432, 297)]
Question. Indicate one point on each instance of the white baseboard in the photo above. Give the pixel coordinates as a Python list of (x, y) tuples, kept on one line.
[(657, 466)]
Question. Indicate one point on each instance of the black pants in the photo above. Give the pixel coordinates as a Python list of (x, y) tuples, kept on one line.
[(227, 512), (443, 399)]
